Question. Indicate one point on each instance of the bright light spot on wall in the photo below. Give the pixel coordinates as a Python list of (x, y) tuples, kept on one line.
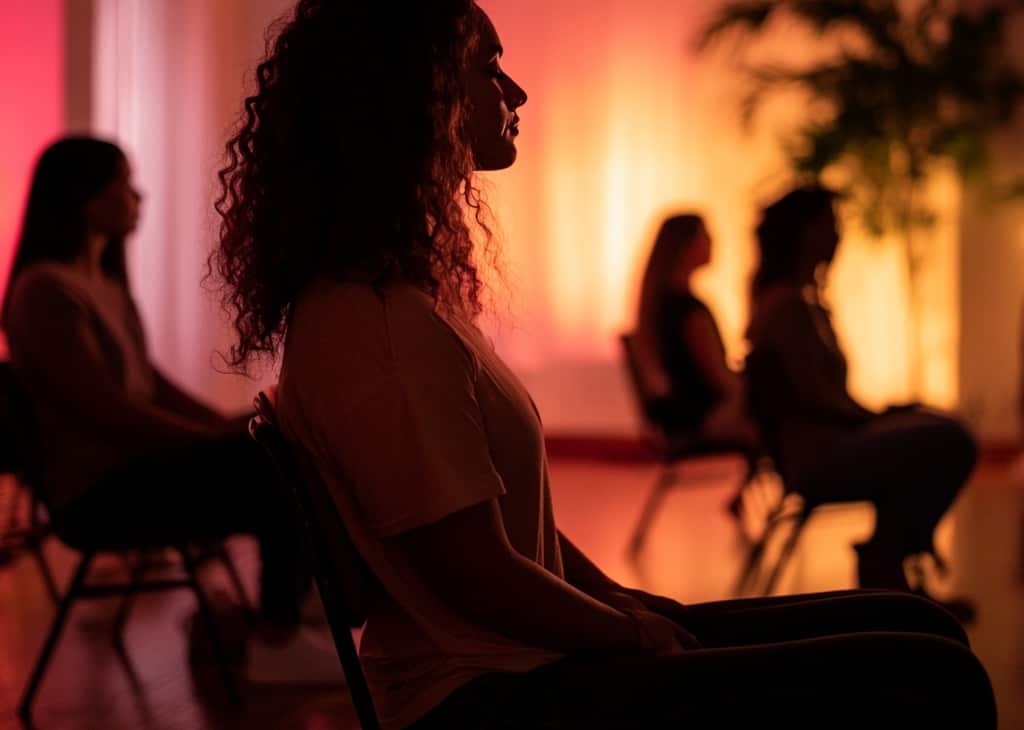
[(623, 127)]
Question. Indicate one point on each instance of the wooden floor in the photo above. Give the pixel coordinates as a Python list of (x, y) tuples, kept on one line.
[(694, 553)]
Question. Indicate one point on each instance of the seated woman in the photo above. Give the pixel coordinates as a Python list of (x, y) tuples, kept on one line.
[(910, 462), (348, 234), (704, 395), (126, 449)]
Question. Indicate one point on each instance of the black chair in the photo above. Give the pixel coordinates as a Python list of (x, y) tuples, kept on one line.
[(768, 393), (672, 450), (17, 534), (345, 582), (126, 543)]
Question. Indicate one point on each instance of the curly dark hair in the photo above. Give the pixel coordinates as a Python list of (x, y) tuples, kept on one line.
[(352, 161), (780, 229)]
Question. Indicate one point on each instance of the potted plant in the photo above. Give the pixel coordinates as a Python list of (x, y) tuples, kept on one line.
[(909, 85)]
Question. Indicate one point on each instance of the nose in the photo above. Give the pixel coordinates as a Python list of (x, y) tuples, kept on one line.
[(515, 95)]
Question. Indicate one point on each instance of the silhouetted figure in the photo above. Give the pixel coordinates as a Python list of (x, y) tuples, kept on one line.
[(910, 462), (346, 235), (123, 444), (704, 395)]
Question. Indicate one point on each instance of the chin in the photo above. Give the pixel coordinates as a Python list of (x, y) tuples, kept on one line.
[(498, 158)]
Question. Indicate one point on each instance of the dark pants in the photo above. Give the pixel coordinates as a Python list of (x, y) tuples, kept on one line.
[(910, 464), (206, 491), (854, 659)]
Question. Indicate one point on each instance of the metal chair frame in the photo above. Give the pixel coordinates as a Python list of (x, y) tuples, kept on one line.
[(673, 451), (342, 578)]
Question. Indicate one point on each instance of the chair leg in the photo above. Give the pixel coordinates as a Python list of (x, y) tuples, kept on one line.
[(654, 500), (127, 603), (787, 551), (207, 617), (36, 549), (749, 568), (236, 579), (750, 474), (752, 565), (63, 610)]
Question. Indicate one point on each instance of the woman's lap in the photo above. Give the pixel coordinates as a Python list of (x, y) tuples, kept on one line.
[(789, 618), (853, 653), (808, 683), (894, 451)]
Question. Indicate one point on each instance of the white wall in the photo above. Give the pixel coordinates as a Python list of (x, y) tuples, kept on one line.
[(167, 80), (992, 271)]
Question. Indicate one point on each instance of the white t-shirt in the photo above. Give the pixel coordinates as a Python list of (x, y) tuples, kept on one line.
[(410, 416)]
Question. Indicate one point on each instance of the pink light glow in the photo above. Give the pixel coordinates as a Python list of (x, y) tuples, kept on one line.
[(31, 80)]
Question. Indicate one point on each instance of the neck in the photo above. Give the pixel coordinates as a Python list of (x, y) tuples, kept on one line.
[(90, 260), (681, 281)]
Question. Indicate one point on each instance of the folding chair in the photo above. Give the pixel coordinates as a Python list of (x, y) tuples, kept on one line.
[(767, 391), (345, 582), (124, 542), (672, 450), (15, 448)]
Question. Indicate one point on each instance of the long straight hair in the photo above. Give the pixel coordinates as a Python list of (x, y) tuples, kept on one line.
[(675, 234), (69, 173)]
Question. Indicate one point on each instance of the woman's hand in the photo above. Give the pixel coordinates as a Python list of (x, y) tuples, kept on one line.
[(635, 601), (659, 634)]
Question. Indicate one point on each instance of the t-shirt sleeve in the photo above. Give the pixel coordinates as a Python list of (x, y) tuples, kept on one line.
[(413, 445)]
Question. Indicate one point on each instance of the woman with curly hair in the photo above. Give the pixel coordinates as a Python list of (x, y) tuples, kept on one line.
[(349, 214)]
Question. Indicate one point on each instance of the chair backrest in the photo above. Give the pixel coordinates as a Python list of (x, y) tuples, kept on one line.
[(650, 383), (14, 412), (345, 582), (21, 441)]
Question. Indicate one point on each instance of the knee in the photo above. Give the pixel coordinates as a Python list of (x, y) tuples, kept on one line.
[(956, 445), (927, 616), (949, 669)]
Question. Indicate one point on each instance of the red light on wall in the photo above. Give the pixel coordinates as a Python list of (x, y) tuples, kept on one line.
[(31, 103)]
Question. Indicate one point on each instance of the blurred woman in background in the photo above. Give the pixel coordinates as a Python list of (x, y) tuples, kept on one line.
[(910, 462), (704, 395), (125, 449)]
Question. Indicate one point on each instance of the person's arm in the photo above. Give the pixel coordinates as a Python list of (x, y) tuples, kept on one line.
[(793, 337), (172, 398), (468, 561), (704, 344), (50, 334), (581, 572)]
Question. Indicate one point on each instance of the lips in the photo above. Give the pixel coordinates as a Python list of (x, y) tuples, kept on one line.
[(513, 126)]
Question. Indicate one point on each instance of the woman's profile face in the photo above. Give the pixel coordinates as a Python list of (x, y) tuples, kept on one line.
[(693, 253), (493, 97), (821, 237), (701, 245), (114, 211)]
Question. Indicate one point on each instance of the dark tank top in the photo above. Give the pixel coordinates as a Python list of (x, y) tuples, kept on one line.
[(692, 397)]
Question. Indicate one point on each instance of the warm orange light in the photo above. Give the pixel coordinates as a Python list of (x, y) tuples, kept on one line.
[(624, 126)]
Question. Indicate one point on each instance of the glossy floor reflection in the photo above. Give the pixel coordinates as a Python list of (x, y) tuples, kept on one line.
[(694, 553)]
